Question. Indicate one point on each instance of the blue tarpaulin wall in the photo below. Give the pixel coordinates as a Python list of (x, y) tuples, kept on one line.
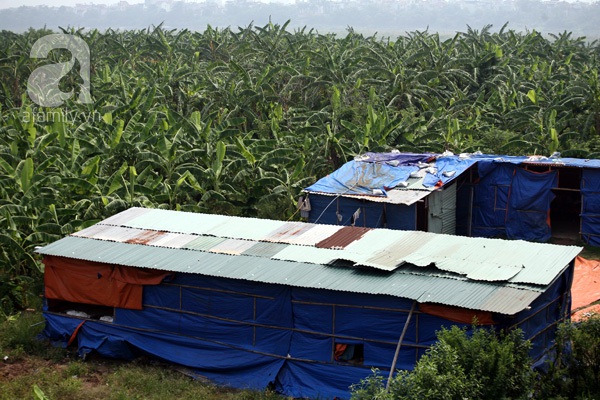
[(512, 202), (590, 216), (248, 335), (326, 209)]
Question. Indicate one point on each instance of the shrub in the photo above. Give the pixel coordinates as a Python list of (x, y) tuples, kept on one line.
[(574, 368), (479, 364)]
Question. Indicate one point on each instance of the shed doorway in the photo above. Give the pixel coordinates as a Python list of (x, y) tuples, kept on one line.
[(565, 209)]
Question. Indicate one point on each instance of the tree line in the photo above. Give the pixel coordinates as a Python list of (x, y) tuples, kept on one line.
[(238, 120)]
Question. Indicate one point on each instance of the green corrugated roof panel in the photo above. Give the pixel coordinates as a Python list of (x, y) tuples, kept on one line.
[(455, 292), (264, 249), (203, 243)]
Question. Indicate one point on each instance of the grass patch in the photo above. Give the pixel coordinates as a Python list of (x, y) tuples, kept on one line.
[(33, 369)]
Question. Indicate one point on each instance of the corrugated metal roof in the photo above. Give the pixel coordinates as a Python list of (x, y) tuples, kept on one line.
[(454, 292), (204, 224), (499, 263), (406, 196), (476, 258)]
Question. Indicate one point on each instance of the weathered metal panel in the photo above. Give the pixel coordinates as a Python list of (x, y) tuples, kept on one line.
[(343, 237), (287, 230), (176, 221), (203, 243), (232, 246), (263, 249), (314, 235), (405, 196), (305, 254), (127, 215), (110, 232), (172, 240), (145, 237), (449, 209), (245, 228)]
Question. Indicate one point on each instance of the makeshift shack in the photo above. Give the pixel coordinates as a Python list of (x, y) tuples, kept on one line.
[(308, 308), (531, 198)]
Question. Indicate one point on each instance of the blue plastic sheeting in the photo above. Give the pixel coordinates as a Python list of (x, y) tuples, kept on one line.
[(590, 216), (538, 323), (357, 177), (325, 210), (248, 335), (400, 158), (512, 202), (448, 168), (377, 170), (400, 216), (529, 205), (223, 365), (490, 201)]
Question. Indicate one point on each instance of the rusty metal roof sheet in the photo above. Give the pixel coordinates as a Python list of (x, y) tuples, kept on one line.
[(232, 246), (343, 237)]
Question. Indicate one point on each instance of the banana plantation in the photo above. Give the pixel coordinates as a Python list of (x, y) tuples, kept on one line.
[(238, 120)]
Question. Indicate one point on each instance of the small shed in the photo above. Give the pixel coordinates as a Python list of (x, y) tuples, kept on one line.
[(526, 197), (308, 308)]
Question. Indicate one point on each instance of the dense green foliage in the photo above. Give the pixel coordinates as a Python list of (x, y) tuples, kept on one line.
[(574, 371), (461, 365), (238, 121), (484, 365)]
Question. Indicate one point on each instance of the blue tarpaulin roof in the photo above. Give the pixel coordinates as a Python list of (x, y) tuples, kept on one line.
[(373, 174)]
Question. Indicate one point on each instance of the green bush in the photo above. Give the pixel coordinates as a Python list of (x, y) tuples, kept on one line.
[(574, 369), (479, 364)]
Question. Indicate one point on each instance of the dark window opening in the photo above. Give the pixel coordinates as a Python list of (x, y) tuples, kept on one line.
[(421, 215), (349, 353), (81, 310)]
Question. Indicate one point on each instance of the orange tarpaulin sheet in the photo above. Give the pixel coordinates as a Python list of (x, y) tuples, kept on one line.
[(103, 284), (586, 287), (457, 314)]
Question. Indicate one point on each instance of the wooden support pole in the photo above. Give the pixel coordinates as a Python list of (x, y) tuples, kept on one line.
[(412, 309)]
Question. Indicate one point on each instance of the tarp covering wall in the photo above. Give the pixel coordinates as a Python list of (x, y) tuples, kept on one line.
[(326, 209), (97, 283), (529, 205), (512, 202), (247, 334), (590, 216)]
